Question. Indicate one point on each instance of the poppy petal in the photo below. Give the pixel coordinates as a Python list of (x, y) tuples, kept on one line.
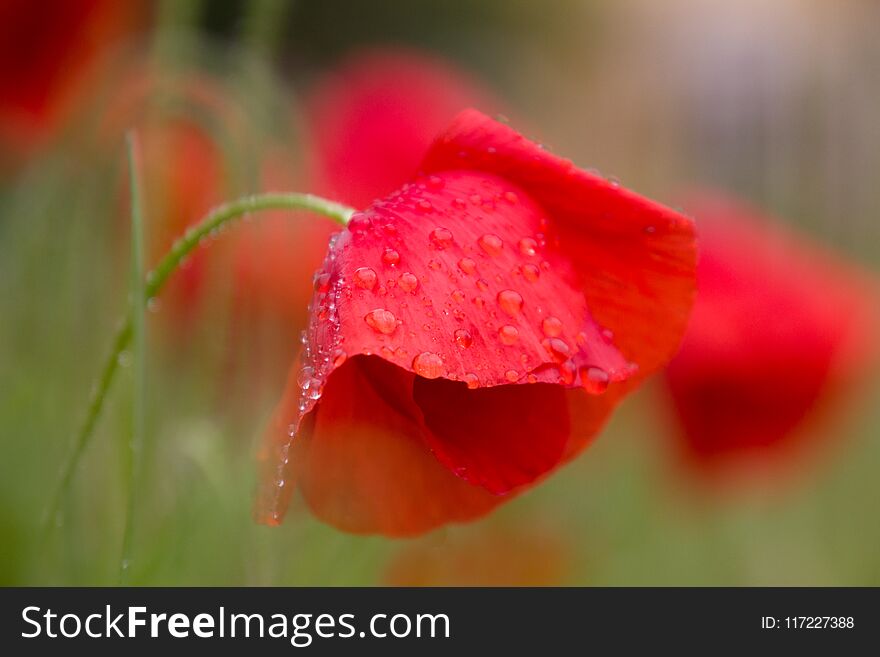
[(359, 462), (635, 258)]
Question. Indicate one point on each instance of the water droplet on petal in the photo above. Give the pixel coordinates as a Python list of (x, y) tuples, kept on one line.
[(435, 265), (511, 198), (459, 203), (457, 296), (339, 357), (304, 375), (467, 265), (428, 365), (508, 334), (472, 381), (491, 244), (482, 284), (511, 302), (556, 348), (435, 182), (608, 335), (381, 321), (440, 238), (476, 199), (408, 282), (528, 246), (322, 281), (530, 273), (365, 277), (359, 223), (552, 327), (391, 257), (463, 338), (594, 380), (568, 372), (511, 375)]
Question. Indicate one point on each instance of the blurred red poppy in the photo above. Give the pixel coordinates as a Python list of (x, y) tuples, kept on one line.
[(185, 170), (48, 51), (779, 331), (493, 556), (373, 117), (471, 332)]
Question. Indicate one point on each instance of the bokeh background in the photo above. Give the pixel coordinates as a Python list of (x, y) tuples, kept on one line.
[(775, 103)]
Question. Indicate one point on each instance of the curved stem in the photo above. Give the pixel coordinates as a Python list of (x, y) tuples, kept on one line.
[(215, 220)]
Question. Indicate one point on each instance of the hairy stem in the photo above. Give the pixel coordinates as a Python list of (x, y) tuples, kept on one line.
[(215, 220)]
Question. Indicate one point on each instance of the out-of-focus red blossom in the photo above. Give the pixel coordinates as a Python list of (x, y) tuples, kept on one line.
[(183, 170), (780, 331), (472, 331), (490, 557), (373, 117), (48, 52)]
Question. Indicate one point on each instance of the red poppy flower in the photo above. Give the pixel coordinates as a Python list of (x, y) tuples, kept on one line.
[(472, 331), (47, 50), (373, 117), (780, 328)]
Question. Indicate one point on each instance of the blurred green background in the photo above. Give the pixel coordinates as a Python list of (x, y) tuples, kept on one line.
[(776, 102)]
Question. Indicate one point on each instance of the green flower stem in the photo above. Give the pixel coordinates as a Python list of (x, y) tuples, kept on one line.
[(135, 446), (215, 220)]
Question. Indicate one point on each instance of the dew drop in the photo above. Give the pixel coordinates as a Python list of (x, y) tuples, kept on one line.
[(528, 246), (608, 335), (435, 182), (408, 282), (594, 380), (510, 302), (511, 375), (491, 244), (467, 265), (322, 281), (531, 273), (508, 334), (459, 203), (568, 372), (476, 199), (313, 388), (552, 327), (463, 338), (381, 321), (391, 257), (359, 223), (511, 198), (435, 265), (428, 365), (365, 277), (304, 375), (556, 348), (472, 381), (424, 206), (441, 238), (457, 296), (482, 284), (339, 357)]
